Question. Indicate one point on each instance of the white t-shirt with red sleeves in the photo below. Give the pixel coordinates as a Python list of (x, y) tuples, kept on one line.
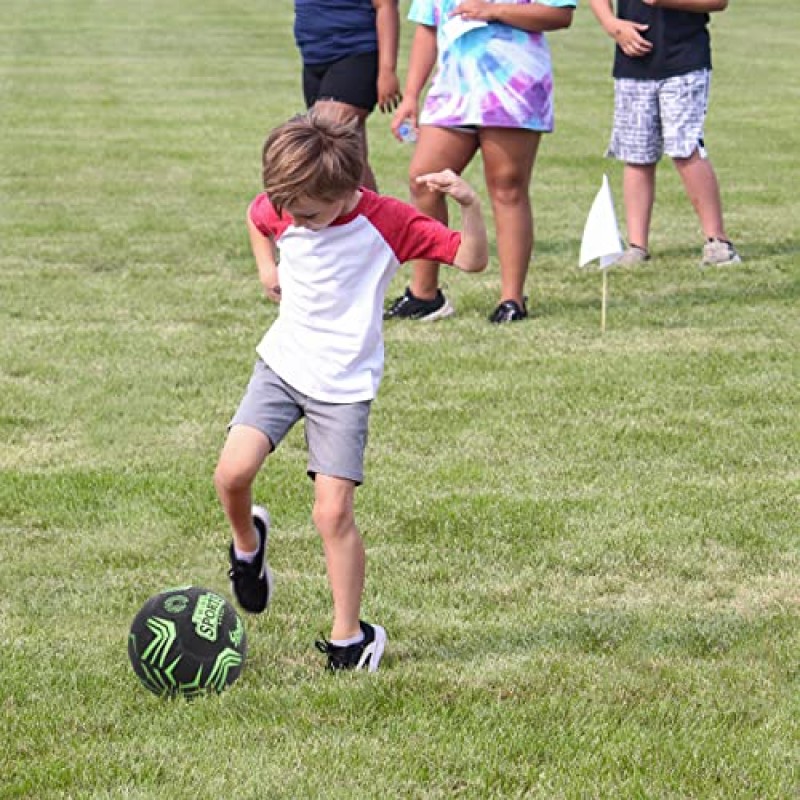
[(327, 341)]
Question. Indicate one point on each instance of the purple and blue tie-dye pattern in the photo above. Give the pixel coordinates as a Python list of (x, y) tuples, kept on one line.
[(490, 76)]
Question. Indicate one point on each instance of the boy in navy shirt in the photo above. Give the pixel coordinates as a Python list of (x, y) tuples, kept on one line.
[(662, 75)]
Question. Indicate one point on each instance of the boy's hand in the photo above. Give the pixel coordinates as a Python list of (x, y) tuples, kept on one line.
[(628, 35), (473, 252), (268, 275), (273, 293), (447, 182)]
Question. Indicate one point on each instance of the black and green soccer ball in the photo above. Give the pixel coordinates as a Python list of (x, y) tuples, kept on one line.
[(187, 641)]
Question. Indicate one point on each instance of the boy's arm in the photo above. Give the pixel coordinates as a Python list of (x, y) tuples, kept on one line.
[(266, 256), (473, 252), (387, 26), (533, 17), (696, 6), (627, 34)]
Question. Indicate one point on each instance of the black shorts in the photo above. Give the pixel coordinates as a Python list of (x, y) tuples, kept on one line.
[(352, 80)]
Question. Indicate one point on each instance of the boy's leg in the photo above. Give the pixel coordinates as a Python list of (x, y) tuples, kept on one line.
[(266, 413), (702, 188), (354, 644), (336, 435), (508, 158), (639, 193), (243, 453), (637, 140), (436, 149), (242, 456), (684, 101), (344, 551)]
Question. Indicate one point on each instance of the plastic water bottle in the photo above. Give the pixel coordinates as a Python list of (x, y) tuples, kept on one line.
[(406, 132)]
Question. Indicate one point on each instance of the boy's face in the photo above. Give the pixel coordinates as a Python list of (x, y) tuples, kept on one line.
[(316, 214)]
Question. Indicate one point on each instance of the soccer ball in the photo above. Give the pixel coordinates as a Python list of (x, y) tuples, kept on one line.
[(187, 641)]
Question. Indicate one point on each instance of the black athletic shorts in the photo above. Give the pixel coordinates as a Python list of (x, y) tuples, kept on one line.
[(352, 80)]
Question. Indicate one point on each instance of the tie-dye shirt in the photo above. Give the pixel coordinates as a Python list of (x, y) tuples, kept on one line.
[(487, 74)]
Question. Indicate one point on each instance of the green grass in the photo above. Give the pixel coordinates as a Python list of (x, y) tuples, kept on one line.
[(584, 547)]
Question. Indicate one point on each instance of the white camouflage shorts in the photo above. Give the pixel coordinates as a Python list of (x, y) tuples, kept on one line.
[(656, 117)]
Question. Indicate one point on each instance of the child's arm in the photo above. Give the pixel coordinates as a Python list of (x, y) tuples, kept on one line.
[(387, 26), (266, 256), (533, 17), (421, 62), (627, 34), (696, 6), (473, 253)]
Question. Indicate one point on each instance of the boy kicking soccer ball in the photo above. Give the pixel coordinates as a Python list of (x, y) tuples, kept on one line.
[(322, 359)]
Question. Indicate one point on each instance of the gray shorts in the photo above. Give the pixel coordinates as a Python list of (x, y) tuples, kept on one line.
[(336, 433), (656, 117)]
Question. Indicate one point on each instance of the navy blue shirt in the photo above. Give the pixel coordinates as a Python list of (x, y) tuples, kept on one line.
[(328, 30), (680, 40)]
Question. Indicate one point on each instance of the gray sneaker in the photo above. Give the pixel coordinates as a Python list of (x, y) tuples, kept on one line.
[(719, 253), (633, 255)]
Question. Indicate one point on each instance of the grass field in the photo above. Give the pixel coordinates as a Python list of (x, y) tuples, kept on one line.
[(584, 547)]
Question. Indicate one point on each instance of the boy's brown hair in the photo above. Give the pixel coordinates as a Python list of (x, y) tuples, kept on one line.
[(312, 155)]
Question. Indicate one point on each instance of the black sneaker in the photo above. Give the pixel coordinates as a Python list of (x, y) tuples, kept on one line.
[(409, 307), (252, 581), (508, 311), (366, 654)]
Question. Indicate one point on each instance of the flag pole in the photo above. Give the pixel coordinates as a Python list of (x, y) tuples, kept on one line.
[(601, 240), (604, 301)]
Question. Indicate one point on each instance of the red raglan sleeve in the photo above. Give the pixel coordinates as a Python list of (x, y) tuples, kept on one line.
[(265, 218), (412, 234)]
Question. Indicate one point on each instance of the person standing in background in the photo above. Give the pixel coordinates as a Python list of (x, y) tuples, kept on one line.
[(492, 91), (349, 53), (662, 75)]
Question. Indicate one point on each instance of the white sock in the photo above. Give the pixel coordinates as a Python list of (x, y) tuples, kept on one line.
[(359, 637), (241, 555), (245, 555)]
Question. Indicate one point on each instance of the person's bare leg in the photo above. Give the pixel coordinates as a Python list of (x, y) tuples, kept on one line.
[(639, 193), (344, 551), (436, 149), (344, 112), (508, 158), (242, 456), (702, 187)]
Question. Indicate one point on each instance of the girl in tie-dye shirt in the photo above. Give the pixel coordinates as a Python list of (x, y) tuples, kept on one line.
[(491, 90)]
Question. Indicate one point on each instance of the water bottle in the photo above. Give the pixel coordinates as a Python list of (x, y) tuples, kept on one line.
[(406, 132)]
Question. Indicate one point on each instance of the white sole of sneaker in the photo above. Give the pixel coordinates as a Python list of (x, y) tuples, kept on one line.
[(728, 263), (441, 313), (270, 583), (375, 651), (261, 513)]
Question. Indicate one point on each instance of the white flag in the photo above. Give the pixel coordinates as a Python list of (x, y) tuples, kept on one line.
[(601, 235)]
